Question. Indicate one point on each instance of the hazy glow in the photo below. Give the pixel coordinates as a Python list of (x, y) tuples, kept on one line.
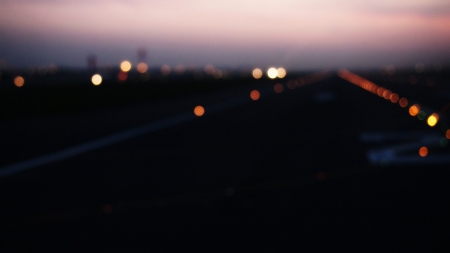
[(96, 79), (254, 95), (19, 81), (125, 66), (403, 102), (142, 67), (423, 151), (278, 88), (165, 70), (199, 110), (414, 110), (122, 76), (257, 73), (209, 69), (433, 120), (447, 134), (281, 72), (272, 73)]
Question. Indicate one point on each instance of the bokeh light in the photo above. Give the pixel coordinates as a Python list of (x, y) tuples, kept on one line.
[(403, 102), (447, 134), (199, 110), (422, 115), (433, 119), (423, 151), (414, 110), (142, 67), (165, 70), (254, 95), (125, 66), (394, 98), (278, 88), (281, 72), (272, 73), (96, 79), (122, 76), (257, 73), (19, 81), (209, 69)]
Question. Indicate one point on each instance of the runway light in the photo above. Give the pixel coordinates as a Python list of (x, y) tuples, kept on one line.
[(433, 119), (96, 79), (254, 95), (278, 88), (19, 81), (423, 151), (414, 110), (281, 72), (199, 110), (272, 73), (125, 66), (403, 102), (142, 67), (257, 73)]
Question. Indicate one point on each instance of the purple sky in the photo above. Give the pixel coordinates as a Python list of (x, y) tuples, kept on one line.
[(290, 33)]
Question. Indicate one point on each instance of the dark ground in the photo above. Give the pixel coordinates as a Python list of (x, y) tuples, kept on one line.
[(286, 172)]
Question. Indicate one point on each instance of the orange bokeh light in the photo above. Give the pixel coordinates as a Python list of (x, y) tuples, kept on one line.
[(447, 134), (122, 76), (142, 67), (403, 102), (254, 95), (423, 151), (278, 88), (394, 98), (414, 110), (199, 110), (257, 73), (19, 81)]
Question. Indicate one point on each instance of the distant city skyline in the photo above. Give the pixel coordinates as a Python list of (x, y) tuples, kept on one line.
[(293, 34)]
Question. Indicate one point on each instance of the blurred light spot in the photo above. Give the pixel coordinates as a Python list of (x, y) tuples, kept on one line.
[(199, 110), (422, 115), (165, 70), (142, 67), (321, 176), (257, 73), (423, 151), (443, 142), (403, 102), (272, 73), (278, 88), (180, 69), (394, 98), (19, 81), (281, 72), (414, 110), (380, 91), (447, 134), (122, 76), (209, 69), (255, 95), (229, 191), (125, 66), (412, 79), (96, 79), (291, 84), (217, 74), (107, 209), (387, 94), (433, 119)]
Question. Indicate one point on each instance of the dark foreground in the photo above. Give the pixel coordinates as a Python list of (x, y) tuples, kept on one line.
[(286, 172)]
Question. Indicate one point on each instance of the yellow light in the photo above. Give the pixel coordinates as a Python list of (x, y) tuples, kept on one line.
[(209, 69), (125, 66), (96, 79), (19, 81), (142, 67), (414, 110), (272, 73), (423, 151), (433, 119), (199, 110), (254, 95), (281, 72), (257, 73)]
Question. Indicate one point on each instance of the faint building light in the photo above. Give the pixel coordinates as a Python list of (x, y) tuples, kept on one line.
[(281, 72), (257, 73), (433, 119), (142, 67), (272, 73), (199, 110), (19, 81), (254, 95), (125, 66), (278, 88), (423, 151), (403, 102), (414, 110), (165, 70), (96, 79), (209, 69)]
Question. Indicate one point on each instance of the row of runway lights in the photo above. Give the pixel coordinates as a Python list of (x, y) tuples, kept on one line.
[(414, 110)]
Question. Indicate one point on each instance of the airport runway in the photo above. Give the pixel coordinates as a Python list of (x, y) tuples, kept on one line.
[(287, 171)]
